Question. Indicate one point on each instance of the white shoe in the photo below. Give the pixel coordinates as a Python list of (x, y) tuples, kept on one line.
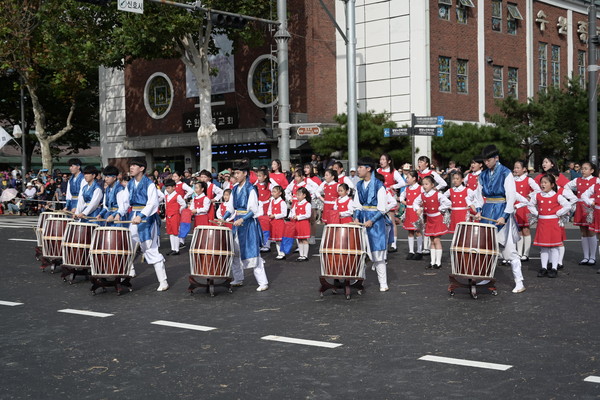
[(519, 288), (262, 288), (163, 286), (384, 289)]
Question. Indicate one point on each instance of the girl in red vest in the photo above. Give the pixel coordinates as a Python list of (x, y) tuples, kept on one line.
[(591, 197), (328, 193), (213, 192), (277, 176), (433, 203), (277, 212), (549, 206), (181, 187), (525, 186), (393, 180), (174, 205), (301, 213), (297, 183), (225, 211), (588, 239), (472, 178), (200, 205), (462, 200), (407, 197), (263, 187), (343, 206)]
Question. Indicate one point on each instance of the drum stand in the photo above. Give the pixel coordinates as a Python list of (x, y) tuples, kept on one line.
[(116, 283), (209, 285), (338, 285), (52, 262), (471, 285), (67, 270), (38, 253)]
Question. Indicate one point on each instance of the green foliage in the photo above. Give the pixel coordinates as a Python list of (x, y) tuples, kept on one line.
[(371, 142)]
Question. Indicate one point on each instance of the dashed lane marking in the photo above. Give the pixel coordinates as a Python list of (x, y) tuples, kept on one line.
[(593, 379), (23, 240), (10, 303), (184, 326), (301, 341), (467, 363), (84, 312)]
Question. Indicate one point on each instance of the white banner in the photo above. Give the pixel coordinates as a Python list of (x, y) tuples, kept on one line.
[(4, 137), (224, 81)]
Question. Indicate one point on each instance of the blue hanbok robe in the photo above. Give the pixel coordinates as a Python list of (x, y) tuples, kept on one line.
[(73, 188), (138, 199), (249, 234), (367, 197)]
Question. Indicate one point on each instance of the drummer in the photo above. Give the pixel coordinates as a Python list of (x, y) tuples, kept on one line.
[(90, 196), (116, 201), (74, 184), (497, 195), (246, 231), (370, 208), (145, 221)]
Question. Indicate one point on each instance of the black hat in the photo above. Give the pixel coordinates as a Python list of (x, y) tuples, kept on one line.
[(490, 151)]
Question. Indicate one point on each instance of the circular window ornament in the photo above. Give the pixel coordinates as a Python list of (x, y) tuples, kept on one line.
[(262, 81), (158, 95)]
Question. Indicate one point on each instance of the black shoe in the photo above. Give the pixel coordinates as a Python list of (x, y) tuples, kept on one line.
[(169, 253), (542, 272), (182, 246), (175, 253), (437, 266), (410, 256), (418, 256), (552, 273), (428, 266), (392, 250), (591, 262), (560, 266), (585, 261)]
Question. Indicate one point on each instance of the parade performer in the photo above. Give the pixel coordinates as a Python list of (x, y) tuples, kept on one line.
[(213, 192), (277, 176), (407, 197), (90, 195), (393, 181), (472, 178), (338, 167), (525, 186), (263, 187), (174, 205), (74, 184), (182, 188), (200, 205), (496, 194), (462, 200), (549, 206), (433, 204), (343, 204), (145, 225), (369, 204), (580, 185), (328, 193), (225, 212), (301, 213), (246, 230), (277, 212), (591, 197), (116, 201)]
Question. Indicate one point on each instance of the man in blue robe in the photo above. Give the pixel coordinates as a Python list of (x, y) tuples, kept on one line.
[(74, 184)]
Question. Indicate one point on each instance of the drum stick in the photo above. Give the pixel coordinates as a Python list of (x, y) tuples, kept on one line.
[(116, 221), (489, 219), (356, 223), (217, 221)]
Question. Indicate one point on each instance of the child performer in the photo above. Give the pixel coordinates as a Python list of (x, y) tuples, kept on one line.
[(413, 190), (277, 212), (310, 175), (90, 196), (182, 188), (301, 213), (263, 187), (225, 212), (200, 205), (393, 180), (338, 167), (343, 204), (580, 185), (423, 168), (549, 206), (174, 205), (297, 183), (213, 192), (462, 200), (472, 178), (328, 193), (246, 231), (433, 203), (277, 176), (591, 197), (525, 187), (369, 209)]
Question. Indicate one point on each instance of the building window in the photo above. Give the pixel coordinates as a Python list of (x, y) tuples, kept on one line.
[(462, 75), (556, 66), (444, 67), (461, 15), (513, 82), (581, 67), (543, 63), (514, 15), (444, 9), (158, 95), (498, 82), (497, 15)]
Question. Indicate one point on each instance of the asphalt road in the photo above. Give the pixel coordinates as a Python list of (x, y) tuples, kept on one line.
[(540, 344)]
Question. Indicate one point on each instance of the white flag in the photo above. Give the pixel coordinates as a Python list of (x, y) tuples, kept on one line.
[(4, 137)]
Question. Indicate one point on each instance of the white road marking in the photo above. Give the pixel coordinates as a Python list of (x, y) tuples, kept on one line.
[(184, 326), (468, 363), (593, 379), (9, 303), (83, 312), (301, 341), (23, 240)]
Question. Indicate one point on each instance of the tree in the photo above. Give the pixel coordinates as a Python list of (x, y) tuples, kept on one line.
[(371, 142)]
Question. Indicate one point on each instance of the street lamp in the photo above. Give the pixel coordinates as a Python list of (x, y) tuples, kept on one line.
[(18, 132)]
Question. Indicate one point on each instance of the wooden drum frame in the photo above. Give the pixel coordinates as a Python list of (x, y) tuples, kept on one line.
[(112, 254), (211, 257), (76, 245)]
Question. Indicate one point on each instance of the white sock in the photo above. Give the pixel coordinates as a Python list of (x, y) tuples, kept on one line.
[(411, 244), (426, 242), (438, 256), (419, 244), (520, 244), (585, 245), (380, 268), (593, 243), (544, 255), (278, 245), (561, 254), (554, 257), (181, 240), (526, 245), (174, 242), (304, 250)]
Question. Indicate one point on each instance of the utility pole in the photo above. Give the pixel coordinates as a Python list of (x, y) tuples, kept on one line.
[(593, 41), (282, 37), (351, 83)]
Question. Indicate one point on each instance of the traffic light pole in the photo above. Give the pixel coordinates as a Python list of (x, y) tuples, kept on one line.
[(351, 83), (592, 84), (282, 37)]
